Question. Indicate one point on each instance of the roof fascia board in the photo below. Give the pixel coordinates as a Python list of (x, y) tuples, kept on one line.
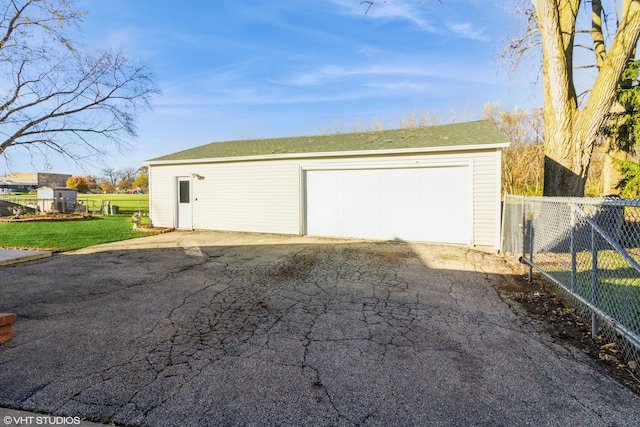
[(320, 154)]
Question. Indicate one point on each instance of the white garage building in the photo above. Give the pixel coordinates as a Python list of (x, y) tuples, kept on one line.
[(434, 184)]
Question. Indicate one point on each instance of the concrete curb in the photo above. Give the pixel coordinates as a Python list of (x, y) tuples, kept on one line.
[(12, 256)]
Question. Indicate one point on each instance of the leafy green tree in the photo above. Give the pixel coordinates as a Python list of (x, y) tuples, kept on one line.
[(629, 185), (622, 134)]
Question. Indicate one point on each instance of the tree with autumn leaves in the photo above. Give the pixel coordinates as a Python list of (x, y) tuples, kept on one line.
[(125, 180), (80, 183)]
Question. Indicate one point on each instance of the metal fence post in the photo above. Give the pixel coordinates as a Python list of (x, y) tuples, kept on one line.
[(594, 283), (530, 229), (524, 231), (572, 243)]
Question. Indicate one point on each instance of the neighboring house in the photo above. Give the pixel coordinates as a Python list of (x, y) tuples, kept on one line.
[(32, 180), (57, 199), (434, 184)]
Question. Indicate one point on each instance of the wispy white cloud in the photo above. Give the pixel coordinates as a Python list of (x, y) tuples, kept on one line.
[(469, 31), (347, 86), (368, 51), (333, 73), (404, 10), (401, 10), (405, 85), (430, 17), (185, 105)]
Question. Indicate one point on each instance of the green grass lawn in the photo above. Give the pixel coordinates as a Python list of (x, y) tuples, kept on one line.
[(617, 286), (126, 202), (67, 235)]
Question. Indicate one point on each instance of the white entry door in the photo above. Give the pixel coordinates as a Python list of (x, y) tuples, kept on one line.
[(184, 203), (430, 204)]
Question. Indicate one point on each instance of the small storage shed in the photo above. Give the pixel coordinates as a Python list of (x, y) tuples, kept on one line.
[(57, 199), (436, 184)]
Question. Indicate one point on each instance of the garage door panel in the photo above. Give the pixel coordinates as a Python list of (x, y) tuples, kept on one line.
[(421, 204)]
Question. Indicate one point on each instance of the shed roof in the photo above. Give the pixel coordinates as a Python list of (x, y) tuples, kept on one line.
[(477, 133), (46, 187)]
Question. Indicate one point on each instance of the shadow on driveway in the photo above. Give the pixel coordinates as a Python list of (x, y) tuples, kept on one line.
[(207, 328)]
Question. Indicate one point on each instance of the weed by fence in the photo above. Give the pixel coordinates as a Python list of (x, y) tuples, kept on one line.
[(590, 250)]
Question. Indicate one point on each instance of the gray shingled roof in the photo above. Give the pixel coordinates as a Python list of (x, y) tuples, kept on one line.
[(451, 135)]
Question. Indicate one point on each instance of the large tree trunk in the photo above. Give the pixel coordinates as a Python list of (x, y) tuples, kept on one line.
[(560, 102), (561, 181), (570, 132)]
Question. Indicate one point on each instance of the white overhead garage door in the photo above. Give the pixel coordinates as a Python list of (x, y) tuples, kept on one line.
[(428, 204)]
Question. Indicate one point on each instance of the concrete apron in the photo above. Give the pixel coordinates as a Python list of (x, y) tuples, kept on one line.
[(12, 256)]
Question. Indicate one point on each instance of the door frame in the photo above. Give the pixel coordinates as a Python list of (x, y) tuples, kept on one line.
[(183, 214)]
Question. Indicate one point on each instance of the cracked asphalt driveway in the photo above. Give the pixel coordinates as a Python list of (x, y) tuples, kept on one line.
[(206, 328)]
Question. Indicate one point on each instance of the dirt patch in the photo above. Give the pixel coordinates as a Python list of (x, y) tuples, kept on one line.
[(296, 266), (46, 217), (385, 252), (568, 329), (153, 230)]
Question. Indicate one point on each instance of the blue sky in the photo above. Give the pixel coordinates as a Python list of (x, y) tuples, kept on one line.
[(254, 69)]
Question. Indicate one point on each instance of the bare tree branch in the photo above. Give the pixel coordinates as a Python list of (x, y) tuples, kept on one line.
[(369, 5), (59, 98), (529, 40)]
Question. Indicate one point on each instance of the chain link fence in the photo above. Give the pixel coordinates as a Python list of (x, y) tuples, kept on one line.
[(590, 250), (11, 206), (21, 206)]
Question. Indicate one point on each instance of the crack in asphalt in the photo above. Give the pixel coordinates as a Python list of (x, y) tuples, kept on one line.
[(283, 330), (223, 323)]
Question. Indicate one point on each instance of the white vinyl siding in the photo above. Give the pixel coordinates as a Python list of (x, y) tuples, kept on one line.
[(251, 196), (268, 195), (486, 199), (162, 195)]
